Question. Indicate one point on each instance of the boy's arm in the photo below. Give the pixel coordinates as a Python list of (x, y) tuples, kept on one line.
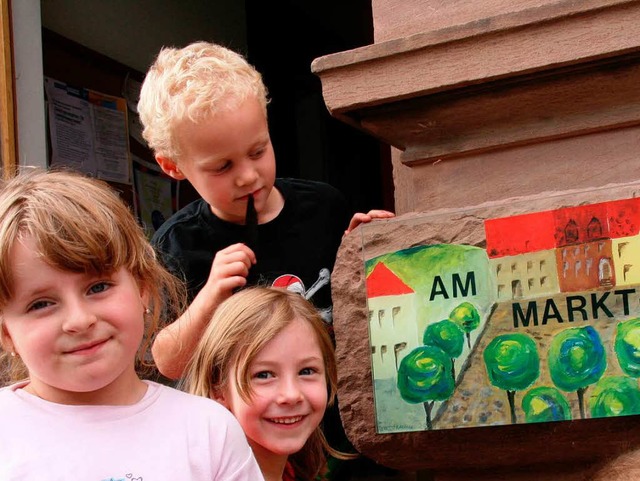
[(174, 345), (361, 218)]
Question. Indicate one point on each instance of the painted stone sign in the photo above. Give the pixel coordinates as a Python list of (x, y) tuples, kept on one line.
[(537, 321)]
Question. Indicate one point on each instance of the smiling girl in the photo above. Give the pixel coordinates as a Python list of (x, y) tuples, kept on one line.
[(81, 291), (267, 357)]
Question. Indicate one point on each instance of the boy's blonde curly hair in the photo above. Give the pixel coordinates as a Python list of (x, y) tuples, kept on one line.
[(191, 84)]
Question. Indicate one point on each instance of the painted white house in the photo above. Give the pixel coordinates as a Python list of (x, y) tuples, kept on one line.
[(393, 332)]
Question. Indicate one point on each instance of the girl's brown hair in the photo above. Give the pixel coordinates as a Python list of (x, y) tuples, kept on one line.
[(79, 224)]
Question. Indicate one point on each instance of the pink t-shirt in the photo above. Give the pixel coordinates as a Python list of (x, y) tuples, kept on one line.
[(167, 436)]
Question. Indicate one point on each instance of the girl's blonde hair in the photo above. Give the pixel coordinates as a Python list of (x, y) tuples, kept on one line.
[(239, 329), (193, 84), (79, 224)]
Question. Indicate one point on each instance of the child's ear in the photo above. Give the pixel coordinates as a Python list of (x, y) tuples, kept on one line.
[(5, 340), (144, 296), (169, 167), (217, 395)]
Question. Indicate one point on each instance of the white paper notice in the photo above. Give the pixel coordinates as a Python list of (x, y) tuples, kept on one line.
[(70, 128), (111, 146), (156, 195), (88, 131)]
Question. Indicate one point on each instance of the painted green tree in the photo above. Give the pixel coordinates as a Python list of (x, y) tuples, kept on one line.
[(543, 404), (576, 359), (513, 364), (627, 346), (615, 396), (424, 376), (466, 316), (447, 336)]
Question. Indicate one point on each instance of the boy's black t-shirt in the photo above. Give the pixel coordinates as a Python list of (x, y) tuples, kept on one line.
[(297, 249)]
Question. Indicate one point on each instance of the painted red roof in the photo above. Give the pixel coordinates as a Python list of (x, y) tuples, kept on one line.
[(510, 236), (519, 234), (383, 282), (624, 217)]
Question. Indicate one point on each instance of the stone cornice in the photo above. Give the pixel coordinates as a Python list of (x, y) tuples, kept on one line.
[(498, 81)]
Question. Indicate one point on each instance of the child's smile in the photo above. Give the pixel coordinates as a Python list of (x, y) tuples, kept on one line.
[(287, 421), (289, 398), (87, 348), (78, 333)]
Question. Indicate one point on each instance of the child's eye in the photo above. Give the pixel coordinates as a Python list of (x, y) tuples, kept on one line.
[(99, 287), (256, 154), (37, 305), (263, 375), (307, 371), (222, 168)]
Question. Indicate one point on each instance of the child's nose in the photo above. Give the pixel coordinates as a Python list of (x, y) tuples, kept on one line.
[(247, 174), (78, 318), (290, 392)]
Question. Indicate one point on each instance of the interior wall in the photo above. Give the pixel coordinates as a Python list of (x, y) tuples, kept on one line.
[(283, 39), (29, 90), (132, 32)]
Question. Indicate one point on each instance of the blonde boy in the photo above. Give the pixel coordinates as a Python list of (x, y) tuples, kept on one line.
[(204, 111)]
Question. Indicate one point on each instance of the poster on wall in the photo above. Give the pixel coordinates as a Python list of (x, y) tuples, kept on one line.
[(539, 321), (88, 131), (155, 195)]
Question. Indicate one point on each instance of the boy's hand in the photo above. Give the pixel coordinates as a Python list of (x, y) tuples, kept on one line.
[(175, 343), (361, 218), (229, 271)]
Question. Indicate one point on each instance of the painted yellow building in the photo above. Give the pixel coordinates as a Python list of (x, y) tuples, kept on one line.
[(625, 260), (525, 275)]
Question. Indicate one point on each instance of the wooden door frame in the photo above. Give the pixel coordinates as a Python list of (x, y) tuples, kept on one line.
[(8, 145)]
